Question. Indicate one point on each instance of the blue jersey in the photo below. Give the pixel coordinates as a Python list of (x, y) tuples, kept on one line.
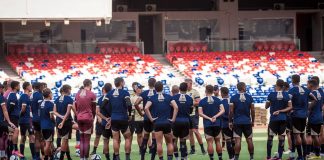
[(161, 108), (2, 102), (36, 98), (146, 95), (210, 109), (24, 117), (62, 104), (45, 115), (185, 104), (242, 108), (299, 99), (12, 105), (278, 101), (225, 116), (315, 114), (118, 107), (103, 111)]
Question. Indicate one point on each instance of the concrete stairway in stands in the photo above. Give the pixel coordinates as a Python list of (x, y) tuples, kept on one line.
[(4, 65), (161, 58)]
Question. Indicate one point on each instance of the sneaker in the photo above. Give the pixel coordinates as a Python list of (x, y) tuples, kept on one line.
[(314, 157), (192, 152), (287, 152), (203, 152), (17, 153)]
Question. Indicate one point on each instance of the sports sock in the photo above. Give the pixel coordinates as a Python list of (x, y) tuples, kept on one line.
[(32, 149), (68, 156), (161, 158), (237, 156), (62, 155), (154, 149), (58, 142), (143, 148), (170, 157), (322, 148), (183, 149), (46, 157), (299, 151), (281, 146), (127, 155), (293, 146), (193, 148), (176, 154), (269, 147), (230, 149), (202, 148), (116, 156), (220, 156), (94, 149), (15, 147), (304, 149), (251, 155), (37, 155), (22, 148), (211, 156), (316, 151), (107, 156)]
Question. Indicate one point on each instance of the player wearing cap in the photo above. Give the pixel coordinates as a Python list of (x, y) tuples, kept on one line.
[(103, 113), (14, 111), (211, 110), (300, 96), (194, 119), (85, 104), (227, 131), (137, 118), (242, 116), (148, 125), (181, 125), (120, 108), (279, 103), (64, 122), (47, 122), (159, 110), (25, 123)]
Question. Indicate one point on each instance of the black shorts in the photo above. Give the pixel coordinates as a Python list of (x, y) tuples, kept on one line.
[(165, 128), (15, 121), (246, 129), (277, 128), (289, 123), (4, 127), (194, 122), (106, 133), (66, 131), (119, 125), (48, 135), (181, 129), (298, 125), (148, 126), (137, 127), (212, 132), (313, 129), (36, 126), (26, 129), (98, 129), (227, 133)]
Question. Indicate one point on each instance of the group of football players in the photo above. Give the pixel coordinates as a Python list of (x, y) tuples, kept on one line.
[(154, 116)]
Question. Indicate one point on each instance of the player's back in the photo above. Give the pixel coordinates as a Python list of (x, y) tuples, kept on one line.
[(36, 98), (24, 100), (242, 108), (62, 102), (185, 103), (278, 101), (299, 99), (315, 115), (161, 108), (117, 100), (210, 108), (46, 108), (225, 120), (12, 105), (84, 100)]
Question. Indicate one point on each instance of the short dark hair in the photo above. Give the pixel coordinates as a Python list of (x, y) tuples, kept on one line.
[(224, 91), (280, 83), (295, 78), (175, 89), (5, 84), (151, 82), (286, 86), (241, 86), (317, 80), (37, 86), (65, 88), (25, 85), (87, 83), (14, 84), (312, 82), (107, 87), (183, 87), (118, 81), (209, 89), (187, 80), (47, 92), (158, 86)]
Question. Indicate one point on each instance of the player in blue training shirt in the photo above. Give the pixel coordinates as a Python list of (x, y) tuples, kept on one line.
[(14, 111), (148, 126), (211, 110), (64, 123), (36, 98), (25, 121), (279, 103), (315, 118), (120, 108), (6, 125), (159, 111), (47, 122), (227, 131), (300, 96), (181, 125), (242, 116), (103, 113)]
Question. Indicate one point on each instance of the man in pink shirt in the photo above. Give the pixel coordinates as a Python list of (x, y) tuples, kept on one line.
[(7, 92), (85, 104)]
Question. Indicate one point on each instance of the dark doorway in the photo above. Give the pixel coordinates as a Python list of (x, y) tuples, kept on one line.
[(305, 30), (150, 32)]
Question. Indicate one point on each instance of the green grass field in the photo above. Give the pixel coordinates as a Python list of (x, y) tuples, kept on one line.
[(260, 141)]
